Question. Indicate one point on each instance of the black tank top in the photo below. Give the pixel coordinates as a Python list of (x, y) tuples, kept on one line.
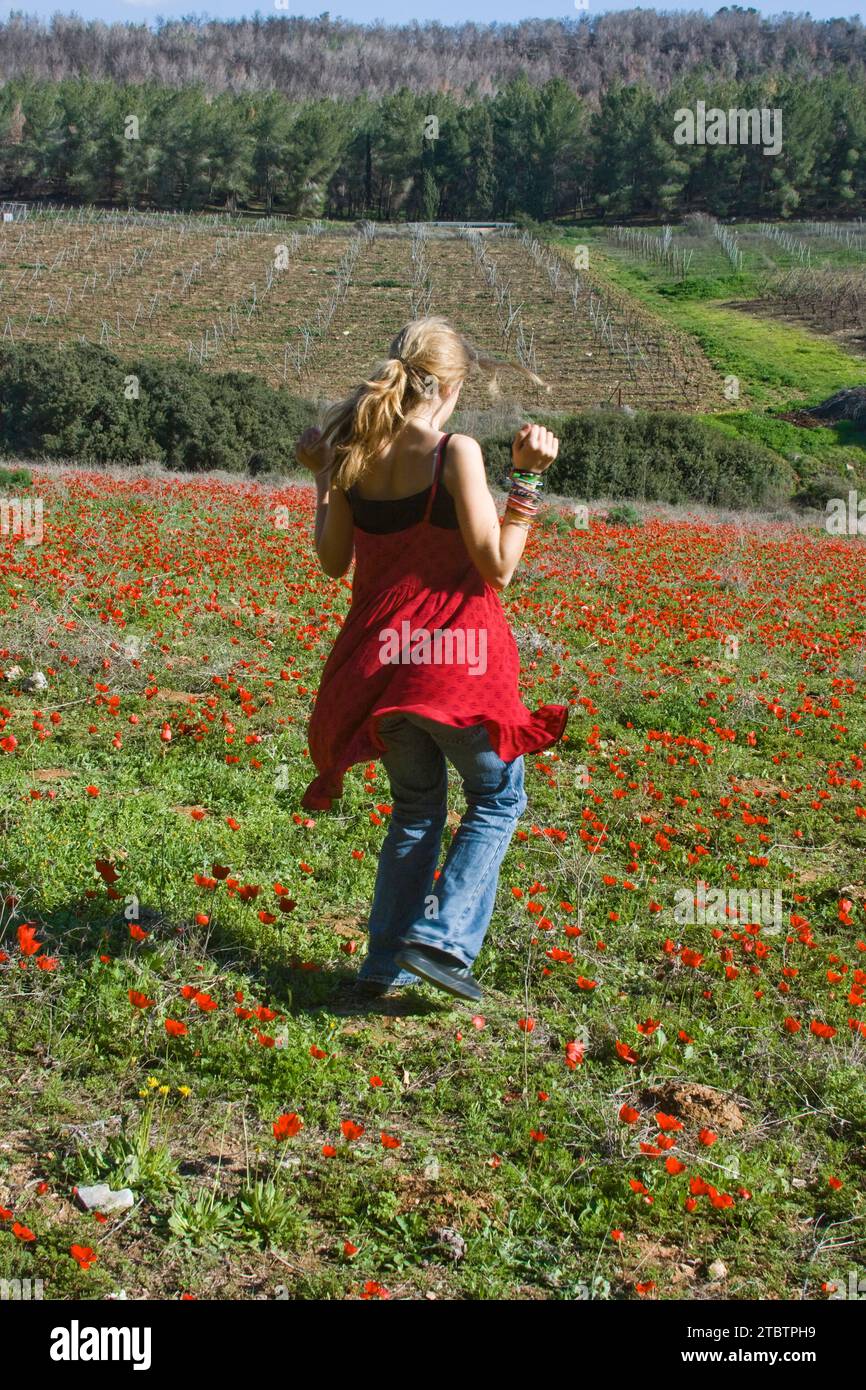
[(382, 516)]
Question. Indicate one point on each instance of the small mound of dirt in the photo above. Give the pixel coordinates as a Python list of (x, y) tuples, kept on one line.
[(696, 1105), (802, 418)]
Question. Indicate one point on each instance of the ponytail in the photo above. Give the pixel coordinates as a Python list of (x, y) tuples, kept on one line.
[(426, 356)]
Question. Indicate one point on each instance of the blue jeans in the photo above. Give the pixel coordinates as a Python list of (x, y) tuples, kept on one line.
[(453, 913)]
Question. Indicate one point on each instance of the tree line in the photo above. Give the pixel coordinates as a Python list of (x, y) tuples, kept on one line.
[(525, 151), (326, 57)]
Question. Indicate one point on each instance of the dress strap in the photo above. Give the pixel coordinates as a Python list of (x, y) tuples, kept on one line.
[(437, 473)]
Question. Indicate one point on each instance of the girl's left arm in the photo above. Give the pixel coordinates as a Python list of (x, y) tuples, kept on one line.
[(334, 526)]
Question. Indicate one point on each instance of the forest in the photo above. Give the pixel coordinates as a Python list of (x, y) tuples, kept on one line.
[(332, 58), (531, 151)]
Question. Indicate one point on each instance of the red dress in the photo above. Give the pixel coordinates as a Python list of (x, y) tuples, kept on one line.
[(416, 583)]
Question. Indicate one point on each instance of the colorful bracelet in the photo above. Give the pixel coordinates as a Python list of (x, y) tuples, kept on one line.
[(530, 479)]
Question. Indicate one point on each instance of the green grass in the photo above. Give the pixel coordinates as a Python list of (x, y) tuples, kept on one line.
[(513, 1168), (779, 366)]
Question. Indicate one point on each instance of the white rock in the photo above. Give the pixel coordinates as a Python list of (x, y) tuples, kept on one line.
[(718, 1271), (38, 681), (100, 1197)]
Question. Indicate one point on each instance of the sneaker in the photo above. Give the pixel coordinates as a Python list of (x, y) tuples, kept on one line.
[(440, 969)]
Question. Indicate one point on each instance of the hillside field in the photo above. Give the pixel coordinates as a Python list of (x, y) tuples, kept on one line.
[(652, 1101)]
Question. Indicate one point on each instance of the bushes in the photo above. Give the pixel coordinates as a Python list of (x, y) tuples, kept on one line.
[(15, 478), (656, 457), (83, 402)]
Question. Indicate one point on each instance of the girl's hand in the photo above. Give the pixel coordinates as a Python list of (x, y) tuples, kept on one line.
[(534, 448), (312, 452)]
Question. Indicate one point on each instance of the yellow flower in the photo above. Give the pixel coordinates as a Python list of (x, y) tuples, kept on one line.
[(152, 1081), (185, 1090), (164, 1090), (143, 1093)]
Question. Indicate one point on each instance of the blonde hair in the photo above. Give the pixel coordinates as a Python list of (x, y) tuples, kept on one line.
[(427, 356)]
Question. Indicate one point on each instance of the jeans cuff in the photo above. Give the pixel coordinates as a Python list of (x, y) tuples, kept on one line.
[(418, 938), (400, 977)]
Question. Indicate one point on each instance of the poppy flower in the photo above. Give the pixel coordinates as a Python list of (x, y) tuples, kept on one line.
[(83, 1256), (667, 1122), (287, 1126), (351, 1131), (139, 1000), (27, 943), (174, 1028)]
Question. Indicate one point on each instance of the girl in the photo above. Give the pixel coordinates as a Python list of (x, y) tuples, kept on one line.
[(425, 668)]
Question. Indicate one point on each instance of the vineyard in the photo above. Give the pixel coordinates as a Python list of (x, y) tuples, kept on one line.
[(815, 272), (310, 307)]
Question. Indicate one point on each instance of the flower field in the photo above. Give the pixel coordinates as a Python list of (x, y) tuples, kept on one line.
[(662, 1093)]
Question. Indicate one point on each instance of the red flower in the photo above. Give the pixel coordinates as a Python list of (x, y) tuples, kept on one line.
[(139, 1000), (372, 1289), (667, 1122), (287, 1126), (628, 1115), (822, 1030), (351, 1131), (174, 1028), (389, 1141), (27, 943), (83, 1256)]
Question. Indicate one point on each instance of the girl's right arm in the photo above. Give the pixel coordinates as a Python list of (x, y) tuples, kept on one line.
[(495, 549)]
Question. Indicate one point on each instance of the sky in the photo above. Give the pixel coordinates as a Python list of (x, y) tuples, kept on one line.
[(397, 11)]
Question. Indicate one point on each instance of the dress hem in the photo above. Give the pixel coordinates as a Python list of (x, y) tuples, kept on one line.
[(544, 728)]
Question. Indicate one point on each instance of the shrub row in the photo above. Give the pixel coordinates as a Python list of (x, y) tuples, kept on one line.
[(83, 402)]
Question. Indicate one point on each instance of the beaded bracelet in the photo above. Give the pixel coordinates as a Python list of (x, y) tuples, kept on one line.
[(523, 500), (530, 479)]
